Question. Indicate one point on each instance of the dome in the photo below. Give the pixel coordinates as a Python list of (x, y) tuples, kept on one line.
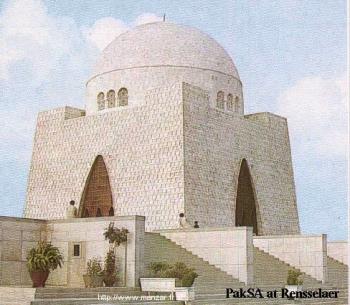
[(165, 44)]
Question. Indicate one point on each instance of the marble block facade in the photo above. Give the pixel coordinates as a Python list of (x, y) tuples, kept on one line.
[(163, 135)]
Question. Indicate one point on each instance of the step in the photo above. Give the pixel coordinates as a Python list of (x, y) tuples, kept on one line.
[(61, 293), (269, 302), (277, 271), (100, 302)]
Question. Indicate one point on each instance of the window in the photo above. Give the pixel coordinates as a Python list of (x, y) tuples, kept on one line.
[(111, 98), (220, 100), (123, 97), (101, 101), (236, 104), (76, 250), (229, 103)]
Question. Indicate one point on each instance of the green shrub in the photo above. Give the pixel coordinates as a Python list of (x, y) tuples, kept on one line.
[(94, 267), (179, 271), (188, 279), (293, 277), (110, 270), (159, 269), (44, 257)]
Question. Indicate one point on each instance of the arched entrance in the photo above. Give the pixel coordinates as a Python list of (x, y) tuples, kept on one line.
[(246, 208), (97, 196)]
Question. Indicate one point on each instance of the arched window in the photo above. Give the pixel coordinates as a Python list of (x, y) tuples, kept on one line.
[(236, 104), (101, 101), (111, 212), (111, 98), (229, 103), (123, 97), (98, 213), (220, 100)]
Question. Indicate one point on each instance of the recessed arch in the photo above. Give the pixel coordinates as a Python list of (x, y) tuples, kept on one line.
[(111, 211), (123, 97), (237, 104), (101, 101), (111, 98), (220, 100), (97, 195), (247, 212), (229, 104)]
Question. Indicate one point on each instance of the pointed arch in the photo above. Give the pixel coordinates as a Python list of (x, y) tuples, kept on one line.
[(111, 211), (97, 196), (247, 213)]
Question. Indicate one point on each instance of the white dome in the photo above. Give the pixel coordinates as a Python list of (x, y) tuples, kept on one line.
[(165, 44)]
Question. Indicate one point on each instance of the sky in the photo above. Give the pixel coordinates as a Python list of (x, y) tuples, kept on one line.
[(291, 57)]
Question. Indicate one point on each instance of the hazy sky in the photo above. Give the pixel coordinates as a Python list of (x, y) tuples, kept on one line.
[(291, 56)]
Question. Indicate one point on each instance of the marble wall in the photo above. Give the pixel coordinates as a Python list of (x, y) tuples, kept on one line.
[(18, 235), (305, 252), (229, 249), (338, 250)]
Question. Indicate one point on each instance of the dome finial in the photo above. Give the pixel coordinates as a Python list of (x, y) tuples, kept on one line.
[(164, 17)]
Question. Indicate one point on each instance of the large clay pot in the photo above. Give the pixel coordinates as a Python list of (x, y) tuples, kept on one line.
[(87, 280), (97, 281), (39, 278), (109, 280)]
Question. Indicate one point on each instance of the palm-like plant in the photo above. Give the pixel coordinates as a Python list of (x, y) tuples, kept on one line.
[(114, 235), (44, 257)]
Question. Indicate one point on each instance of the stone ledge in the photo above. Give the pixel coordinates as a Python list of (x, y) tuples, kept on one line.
[(94, 219), (20, 219), (288, 236), (203, 229)]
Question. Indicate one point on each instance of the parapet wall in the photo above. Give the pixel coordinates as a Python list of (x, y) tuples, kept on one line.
[(19, 235), (305, 252), (338, 250), (229, 249), (87, 233)]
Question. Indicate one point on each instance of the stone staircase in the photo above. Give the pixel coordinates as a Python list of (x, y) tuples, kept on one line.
[(269, 273), (211, 281), (337, 273)]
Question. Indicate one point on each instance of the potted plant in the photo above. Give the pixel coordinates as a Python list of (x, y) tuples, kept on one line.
[(115, 237), (94, 273), (184, 290), (110, 272), (293, 281), (158, 279), (41, 260), (166, 278)]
